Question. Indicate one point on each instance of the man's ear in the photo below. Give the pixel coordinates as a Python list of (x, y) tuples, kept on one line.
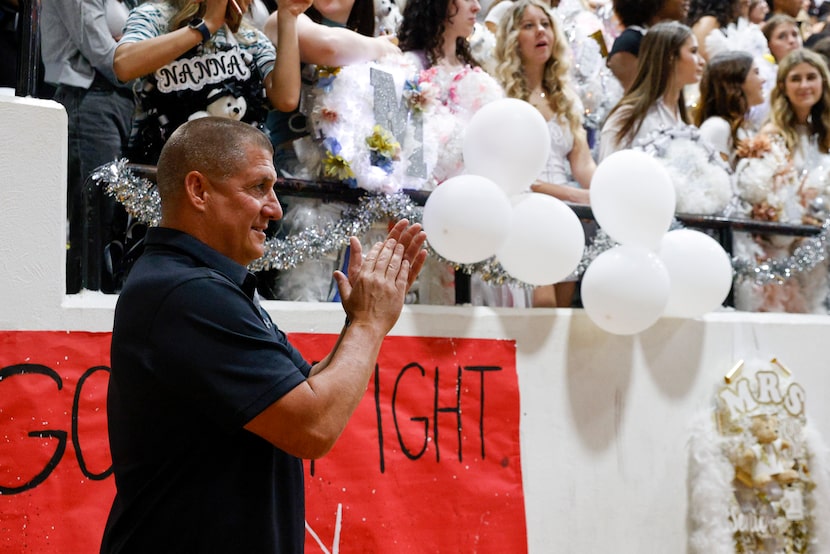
[(195, 189)]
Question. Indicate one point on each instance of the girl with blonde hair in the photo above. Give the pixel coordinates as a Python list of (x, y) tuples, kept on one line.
[(532, 65), (800, 104), (782, 178)]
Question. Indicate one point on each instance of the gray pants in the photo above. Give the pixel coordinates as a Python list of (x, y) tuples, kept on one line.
[(99, 127)]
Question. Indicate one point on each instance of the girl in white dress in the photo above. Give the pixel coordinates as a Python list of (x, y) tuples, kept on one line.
[(668, 61), (532, 53), (731, 85), (434, 37), (800, 112), (783, 178)]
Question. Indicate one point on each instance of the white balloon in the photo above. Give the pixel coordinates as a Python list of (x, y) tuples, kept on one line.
[(467, 218), (545, 241), (507, 141), (625, 289), (700, 272), (633, 198)]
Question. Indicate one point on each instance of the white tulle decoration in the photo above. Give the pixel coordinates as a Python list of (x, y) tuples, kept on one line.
[(350, 145), (311, 280), (700, 177), (482, 43), (461, 93), (767, 182), (743, 36), (594, 83)]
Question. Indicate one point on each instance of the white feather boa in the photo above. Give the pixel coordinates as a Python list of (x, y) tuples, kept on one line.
[(714, 509), (349, 145), (701, 179)]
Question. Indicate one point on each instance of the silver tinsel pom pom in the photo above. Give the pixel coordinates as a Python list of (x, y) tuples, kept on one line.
[(138, 195), (314, 243)]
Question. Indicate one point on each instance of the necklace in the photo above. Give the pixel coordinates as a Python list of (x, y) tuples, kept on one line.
[(538, 99)]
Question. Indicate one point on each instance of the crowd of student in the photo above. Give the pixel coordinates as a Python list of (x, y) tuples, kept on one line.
[(129, 73)]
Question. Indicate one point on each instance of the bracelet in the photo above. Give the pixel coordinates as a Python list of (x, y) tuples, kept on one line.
[(198, 24)]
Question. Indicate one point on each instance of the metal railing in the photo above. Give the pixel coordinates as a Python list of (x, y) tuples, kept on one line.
[(721, 227)]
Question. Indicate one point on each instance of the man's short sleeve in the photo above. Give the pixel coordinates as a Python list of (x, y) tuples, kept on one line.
[(146, 21)]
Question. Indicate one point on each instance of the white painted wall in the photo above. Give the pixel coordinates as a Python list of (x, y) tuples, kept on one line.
[(604, 418)]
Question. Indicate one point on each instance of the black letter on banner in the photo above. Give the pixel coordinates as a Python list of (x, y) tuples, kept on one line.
[(481, 369), (395, 415), (452, 409), (379, 418), (23, 369), (75, 441)]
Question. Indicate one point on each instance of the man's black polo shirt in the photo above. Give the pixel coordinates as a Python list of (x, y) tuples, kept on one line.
[(194, 359)]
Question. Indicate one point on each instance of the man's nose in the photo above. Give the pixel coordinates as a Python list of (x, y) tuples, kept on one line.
[(272, 207)]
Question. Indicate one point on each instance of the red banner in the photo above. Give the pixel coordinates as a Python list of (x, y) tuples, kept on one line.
[(429, 463), (55, 482)]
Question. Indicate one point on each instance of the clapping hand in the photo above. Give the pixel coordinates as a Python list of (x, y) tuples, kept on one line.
[(375, 288), (412, 237)]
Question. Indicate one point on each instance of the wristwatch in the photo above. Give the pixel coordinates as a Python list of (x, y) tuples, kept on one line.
[(199, 24)]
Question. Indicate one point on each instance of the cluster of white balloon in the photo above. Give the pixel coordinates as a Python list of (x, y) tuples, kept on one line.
[(489, 211), (537, 239), (653, 272)]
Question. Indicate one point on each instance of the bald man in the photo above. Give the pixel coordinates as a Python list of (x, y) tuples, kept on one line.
[(210, 408)]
